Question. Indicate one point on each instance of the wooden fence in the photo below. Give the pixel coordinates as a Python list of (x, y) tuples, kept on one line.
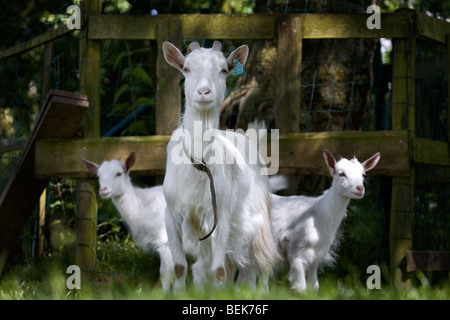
[(401, 150)]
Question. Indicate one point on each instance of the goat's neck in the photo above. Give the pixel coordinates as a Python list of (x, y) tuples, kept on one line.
[(126, 203), (334, 205), (208, 118)]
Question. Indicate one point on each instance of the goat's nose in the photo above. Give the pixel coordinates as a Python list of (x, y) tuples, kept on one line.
[(360, 188), (102, 189), (203, 91)]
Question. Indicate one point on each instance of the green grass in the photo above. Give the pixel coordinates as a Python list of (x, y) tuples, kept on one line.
[(47, 280)]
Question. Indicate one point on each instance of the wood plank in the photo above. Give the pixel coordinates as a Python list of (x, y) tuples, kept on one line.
[(300, 152), (288, 76), (151, 155), (400, 233), (403, 118), (194, 26), (427, 261), (448, 85), (432, 28), (89, 59), (225, 26), (255, 26), (303, 151), (60, 117), (86, 219), (353, 25), (316, 26), (168, 93), (403, 84), (427, 151), (123, 26)]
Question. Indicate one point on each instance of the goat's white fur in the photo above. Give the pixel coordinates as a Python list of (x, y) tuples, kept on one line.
[(141, 208), (243, 231), (305, 227)]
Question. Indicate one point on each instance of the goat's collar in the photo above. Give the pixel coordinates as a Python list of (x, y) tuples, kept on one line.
[(199, 165), (202, 167)]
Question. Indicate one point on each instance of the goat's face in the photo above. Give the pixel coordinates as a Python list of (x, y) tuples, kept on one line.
[(113, 179), (113, 176), (205, 72), (348, 175)]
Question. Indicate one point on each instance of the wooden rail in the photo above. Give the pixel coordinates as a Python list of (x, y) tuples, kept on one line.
[(261, 26), (298, 152)]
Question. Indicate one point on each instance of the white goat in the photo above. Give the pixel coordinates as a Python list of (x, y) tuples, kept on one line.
[(243, 231), (141, 208), (305, 227)]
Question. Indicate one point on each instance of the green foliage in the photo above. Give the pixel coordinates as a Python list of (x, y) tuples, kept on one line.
[(129, 81)]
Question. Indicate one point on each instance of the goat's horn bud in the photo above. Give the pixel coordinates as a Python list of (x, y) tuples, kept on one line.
[(217, 46), (193, 46)]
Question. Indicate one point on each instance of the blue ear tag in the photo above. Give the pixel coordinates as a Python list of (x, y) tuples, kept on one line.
[(238, 67)]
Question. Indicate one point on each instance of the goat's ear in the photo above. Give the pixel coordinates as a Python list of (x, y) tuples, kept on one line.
[(330, 161), (173, 56), (130, 161), (91, 166), (370, 163), (240, 54)]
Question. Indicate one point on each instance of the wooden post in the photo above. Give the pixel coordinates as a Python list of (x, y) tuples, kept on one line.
[(90, 55), (288, 75), (289, 33), (86, 219), (86, 226), (168, 93), (448, 84), (39, 248), (403, 117)]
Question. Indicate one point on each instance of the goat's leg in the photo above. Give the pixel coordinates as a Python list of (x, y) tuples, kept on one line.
[(174, 234), (200, 270), (297, 275), (311, 276), (248, 276), (264, 280), (219, 249), (166, 270), (230, 269)]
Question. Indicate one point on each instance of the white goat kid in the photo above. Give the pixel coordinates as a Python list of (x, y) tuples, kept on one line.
[(141, 208), (305, 227), (243, 231)]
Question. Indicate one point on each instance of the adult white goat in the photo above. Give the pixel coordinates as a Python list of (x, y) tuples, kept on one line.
[(243, 231), (305, 227), (141, 208)]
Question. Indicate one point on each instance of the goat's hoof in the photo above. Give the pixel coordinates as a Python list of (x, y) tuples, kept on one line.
[(220, 274), (179, 271)]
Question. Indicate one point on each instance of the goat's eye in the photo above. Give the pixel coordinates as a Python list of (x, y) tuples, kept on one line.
[(224, 71), (118, 174), (186, 70), (342, 174)]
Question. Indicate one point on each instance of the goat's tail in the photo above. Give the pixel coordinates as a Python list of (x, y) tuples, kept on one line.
[(265, 249)]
